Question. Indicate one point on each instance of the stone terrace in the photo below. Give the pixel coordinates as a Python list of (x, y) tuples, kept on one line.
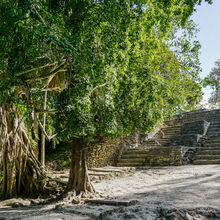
[(192, 137)]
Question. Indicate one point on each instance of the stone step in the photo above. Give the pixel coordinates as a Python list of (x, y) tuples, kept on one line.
[(163, 140), (211, 144), (217, 121), (217, 144), (137, 151), (213, 135), (213, 140), (203, 162), (171, 131), (208, 152), (125, 156), (131, 160), (214, 121), (150, 143), (207, 157), (169, 135), (215, 125), (210, 132), (209, 148), (170, 128), (134, 164), (213, 129), (157, 140)]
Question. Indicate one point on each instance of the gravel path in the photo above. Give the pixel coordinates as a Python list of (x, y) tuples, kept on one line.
[(185, 192), (183, 186)]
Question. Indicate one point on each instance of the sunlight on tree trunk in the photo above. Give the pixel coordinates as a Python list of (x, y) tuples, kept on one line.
[(79, 179)]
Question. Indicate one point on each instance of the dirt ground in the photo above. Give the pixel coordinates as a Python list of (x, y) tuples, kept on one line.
[(185, 192)]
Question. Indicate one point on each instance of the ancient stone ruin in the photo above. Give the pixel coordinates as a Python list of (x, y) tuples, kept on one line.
[(192, 137)]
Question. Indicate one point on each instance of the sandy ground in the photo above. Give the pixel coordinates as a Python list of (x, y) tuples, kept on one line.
[(185, 186), (158, 190)]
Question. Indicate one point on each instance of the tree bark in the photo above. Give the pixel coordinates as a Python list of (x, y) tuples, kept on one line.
[(39, 143), (79, 178), (42, 133)]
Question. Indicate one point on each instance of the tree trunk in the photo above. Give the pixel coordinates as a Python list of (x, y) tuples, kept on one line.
[(79, 179), (39, 143), (42, 133), (22, 173)]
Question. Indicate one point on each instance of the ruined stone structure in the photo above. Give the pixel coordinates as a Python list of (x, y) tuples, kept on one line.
[(192, 137), (102, 155)]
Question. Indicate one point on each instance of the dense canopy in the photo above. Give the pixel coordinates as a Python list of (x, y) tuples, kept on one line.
[(105, 68)]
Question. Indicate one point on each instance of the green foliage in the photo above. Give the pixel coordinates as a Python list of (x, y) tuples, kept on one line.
[(124, 65), (58, 158), (213, 80), (124, 74), (29, 39)]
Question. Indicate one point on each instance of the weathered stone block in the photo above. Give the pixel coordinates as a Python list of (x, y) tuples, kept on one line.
[(196, 127), (103, 155)]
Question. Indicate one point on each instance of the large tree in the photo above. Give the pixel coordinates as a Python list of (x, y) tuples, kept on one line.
[(126, 73), (30, 64), (117, 66)]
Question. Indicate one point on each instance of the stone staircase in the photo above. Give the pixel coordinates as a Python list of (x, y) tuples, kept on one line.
[(193, 137), (210, 152), (133, 158)]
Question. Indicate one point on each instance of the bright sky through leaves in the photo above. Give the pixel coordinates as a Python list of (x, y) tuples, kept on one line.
[(208, 17)]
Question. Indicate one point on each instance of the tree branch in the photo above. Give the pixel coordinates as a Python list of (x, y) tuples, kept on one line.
[(40, 71), (45, 133), (52, 111), (102, 85), (53, 71), (39, 15), (37, 69), (52, 89)]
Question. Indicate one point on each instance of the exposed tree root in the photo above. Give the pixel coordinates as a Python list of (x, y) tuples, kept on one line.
[(71, 197), (22, 172)]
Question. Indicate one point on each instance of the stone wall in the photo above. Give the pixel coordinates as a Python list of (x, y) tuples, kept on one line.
[(166, 156), (107, 154), (101, 155)]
